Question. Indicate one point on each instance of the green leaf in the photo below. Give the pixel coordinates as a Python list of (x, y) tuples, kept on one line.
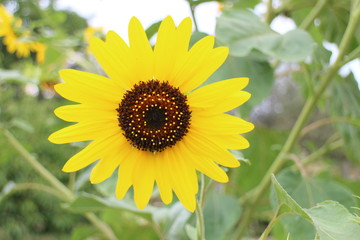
[(22, 124), (196, 36), (309, 191), (191, 232), (173, 221), (107, 187), (263, 147), (129, 226), (283, 198), (90, 203), (245, 4), (221, 212), (333, 221), (345, 102), (83, 232), (243, 31), (14, 75)]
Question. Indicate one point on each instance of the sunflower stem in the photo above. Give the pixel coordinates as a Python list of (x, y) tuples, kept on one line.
[(279, 161), (60, 190), (192, 7), (270, 11), (313, 14), (200, 226)]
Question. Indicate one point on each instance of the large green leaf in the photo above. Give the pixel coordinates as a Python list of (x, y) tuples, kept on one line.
[(308, 191), (86, 202), (173, 221), (245, 4), (243, 31), (84, 232), (332, 220), (221, 212), (345, 102), (285, 201)]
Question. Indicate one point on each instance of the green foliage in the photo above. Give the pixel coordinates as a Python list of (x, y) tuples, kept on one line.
[(345, 102), (222, 212), (312, 194), (233, 29), (330, 219)]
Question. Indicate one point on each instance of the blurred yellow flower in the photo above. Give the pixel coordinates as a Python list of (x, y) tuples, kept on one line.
[(149, 119), (90, 32), (17, 39)]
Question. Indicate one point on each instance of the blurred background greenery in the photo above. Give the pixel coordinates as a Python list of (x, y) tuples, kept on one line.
[(285, 71)]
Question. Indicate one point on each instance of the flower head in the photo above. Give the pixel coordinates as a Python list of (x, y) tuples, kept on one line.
[(148, 118), (18, 39)]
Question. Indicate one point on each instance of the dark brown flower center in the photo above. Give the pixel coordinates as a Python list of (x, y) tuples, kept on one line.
[(154, 115)]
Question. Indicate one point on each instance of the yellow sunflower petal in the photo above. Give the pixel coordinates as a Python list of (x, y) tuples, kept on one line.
[(126, 173), (94, 151), (81, 95), (171, 46), (189, 63), (142, 50), (186, 197), (235, 142), (112, 158), (115, 66), (144, 175), (221, 124), (188, 171), (201, 163), (201, 61), (224, 104), (82, 112), (126, 63), (184, 33), (92, 85), (211, 150), (213, 94), (162, 176), (85, 131)]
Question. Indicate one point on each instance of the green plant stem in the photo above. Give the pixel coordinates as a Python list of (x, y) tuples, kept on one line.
[(271, 225), (72, 179), (322, 151), (101, 226), (269, 12), (325, 121), (315, 11), (192, 6), (37, 186), (38, 167), (351, 56), (279, 161), (62, 190), (200, 225)]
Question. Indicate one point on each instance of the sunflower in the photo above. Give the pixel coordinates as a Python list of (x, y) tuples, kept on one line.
[(18, 39), (148, 118)]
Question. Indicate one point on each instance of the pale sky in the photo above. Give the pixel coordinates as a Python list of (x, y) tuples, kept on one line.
[(115, 14)]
